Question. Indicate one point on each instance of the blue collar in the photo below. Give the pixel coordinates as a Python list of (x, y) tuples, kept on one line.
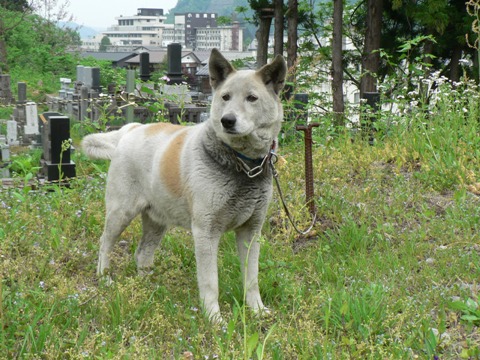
[(244, 157), (255, 166)]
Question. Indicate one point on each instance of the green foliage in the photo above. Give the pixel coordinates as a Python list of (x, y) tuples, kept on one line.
[(104, 43), (38, 45), (25, 164), (15, 5), (36, 51), (470, 310)]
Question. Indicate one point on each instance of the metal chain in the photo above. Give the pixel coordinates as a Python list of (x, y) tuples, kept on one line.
[(287, 212)]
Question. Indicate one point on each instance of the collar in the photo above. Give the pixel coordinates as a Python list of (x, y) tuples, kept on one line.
[(253, 167)]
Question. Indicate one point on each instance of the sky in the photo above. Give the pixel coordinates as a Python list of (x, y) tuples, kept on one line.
[(100, 14)]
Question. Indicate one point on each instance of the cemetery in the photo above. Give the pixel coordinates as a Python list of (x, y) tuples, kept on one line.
[(83, 99)]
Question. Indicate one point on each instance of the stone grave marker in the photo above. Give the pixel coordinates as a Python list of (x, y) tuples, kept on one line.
[(31, 127), (55, 132), (4, 157), (12, 132)]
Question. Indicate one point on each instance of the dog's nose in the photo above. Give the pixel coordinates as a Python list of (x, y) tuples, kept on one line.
[(228, 121)]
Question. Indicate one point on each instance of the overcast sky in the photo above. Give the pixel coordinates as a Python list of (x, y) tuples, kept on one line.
[(101, 14)]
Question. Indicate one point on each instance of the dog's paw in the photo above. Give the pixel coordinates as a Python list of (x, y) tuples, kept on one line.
[(106, 280), (144, 271), (262, 311)]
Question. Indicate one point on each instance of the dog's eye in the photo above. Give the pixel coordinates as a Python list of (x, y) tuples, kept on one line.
[(226, 97), (251, 98)]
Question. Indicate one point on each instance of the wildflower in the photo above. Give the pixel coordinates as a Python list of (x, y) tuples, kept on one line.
[(465, 62)]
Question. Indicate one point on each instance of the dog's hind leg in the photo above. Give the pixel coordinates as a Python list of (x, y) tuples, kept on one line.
[(151, 238), (249, 252), (122, 206), (117, 219)]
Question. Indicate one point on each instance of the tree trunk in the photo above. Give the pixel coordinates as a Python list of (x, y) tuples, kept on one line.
[(292, 47), (3, 56), (263, 32), (292, 33), (371, 56), (3, 48), (337, 67), (455, 64), (278, 46)]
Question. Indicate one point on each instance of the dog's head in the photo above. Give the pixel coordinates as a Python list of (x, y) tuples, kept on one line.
[(246, 110)]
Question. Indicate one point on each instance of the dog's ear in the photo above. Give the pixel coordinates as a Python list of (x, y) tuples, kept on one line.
[(219, 68), (274, 74)]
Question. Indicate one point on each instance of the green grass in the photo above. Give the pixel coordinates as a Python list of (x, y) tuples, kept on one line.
[(391, 270)]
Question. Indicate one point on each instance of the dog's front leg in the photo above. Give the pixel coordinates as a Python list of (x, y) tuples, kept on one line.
[(249, 252), (206, 249)]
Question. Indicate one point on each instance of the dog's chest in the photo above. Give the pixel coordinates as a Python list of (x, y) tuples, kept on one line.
[(236, 199)]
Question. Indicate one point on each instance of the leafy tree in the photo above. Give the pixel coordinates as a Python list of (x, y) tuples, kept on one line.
[(104, 43), (15, 5), (224, 20), (26, 37)]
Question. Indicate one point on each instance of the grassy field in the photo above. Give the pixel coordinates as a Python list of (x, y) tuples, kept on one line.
[(391, 270)]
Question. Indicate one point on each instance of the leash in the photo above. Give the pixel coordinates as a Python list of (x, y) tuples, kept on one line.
[(282, 198)]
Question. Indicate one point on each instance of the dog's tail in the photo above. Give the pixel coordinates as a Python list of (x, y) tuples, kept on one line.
[(103, 145)]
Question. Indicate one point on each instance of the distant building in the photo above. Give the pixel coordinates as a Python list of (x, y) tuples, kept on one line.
[(186, 28), (224, 38), (145, 28), (195, 31), (175, 33)]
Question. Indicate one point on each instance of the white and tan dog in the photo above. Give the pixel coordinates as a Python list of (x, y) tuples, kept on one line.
[(211, 178)]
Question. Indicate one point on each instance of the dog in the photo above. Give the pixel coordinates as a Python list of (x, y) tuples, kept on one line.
[(209, 178)]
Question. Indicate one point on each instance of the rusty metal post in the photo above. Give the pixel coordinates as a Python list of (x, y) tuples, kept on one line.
[(309, 193)]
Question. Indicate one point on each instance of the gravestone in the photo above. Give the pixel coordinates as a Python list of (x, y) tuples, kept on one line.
[(31, 127), (4, 157), (80, 72), (145, 66), (22, 92), (56, 162), (95, 79), (87, 76), (12, 132), (174, 59)]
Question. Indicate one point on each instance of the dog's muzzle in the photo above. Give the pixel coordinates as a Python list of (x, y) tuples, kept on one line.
[(228, 123)]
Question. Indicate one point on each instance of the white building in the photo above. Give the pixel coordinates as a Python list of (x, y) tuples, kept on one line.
[(224, 38), (175, 33), (144, 29), (196, 31)]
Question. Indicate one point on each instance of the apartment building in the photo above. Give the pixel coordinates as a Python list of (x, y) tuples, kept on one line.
[(195, 31), (185, 29), (145, 28), (224, 38)]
